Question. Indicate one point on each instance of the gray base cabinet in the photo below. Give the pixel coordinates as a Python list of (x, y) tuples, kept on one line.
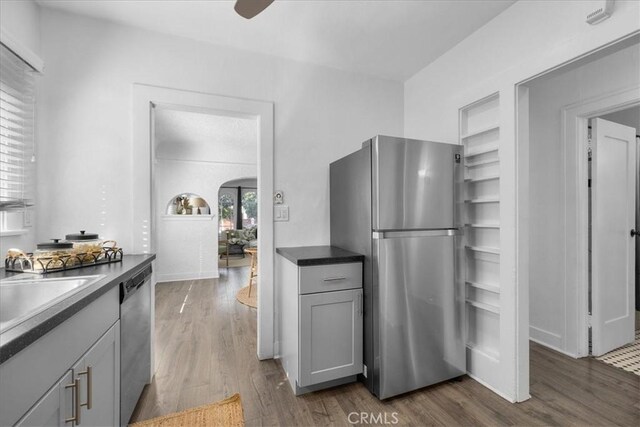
[(99, 375), (55, 408), (72, 371), (88, 393), (320, 324), (330, 336)]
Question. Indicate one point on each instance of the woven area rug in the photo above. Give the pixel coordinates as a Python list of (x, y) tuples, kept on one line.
[(243, 296), (627, 357), (227, 412)]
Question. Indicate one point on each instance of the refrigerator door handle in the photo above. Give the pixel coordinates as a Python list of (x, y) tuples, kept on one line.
[(416, 233)]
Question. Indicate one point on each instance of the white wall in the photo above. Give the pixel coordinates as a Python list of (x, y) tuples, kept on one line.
[(321, 114), (190, 135), (20, 21), (248, 182), (528, 38), (524, 40), (188, 247), (553, 287), (196, 153)]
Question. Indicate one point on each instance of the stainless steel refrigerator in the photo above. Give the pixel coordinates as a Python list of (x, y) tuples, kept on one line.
[(397, 201)]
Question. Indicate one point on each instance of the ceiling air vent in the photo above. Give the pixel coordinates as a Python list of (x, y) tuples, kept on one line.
[(604, 11)]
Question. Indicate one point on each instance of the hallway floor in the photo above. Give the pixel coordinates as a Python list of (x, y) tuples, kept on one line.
[(208, 352)]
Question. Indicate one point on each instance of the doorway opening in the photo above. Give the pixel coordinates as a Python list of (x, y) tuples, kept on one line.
[(237, 223), (145, 99), (614, 166), (196, 153), (581, 287)]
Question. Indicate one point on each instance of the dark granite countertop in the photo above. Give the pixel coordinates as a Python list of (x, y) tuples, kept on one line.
[(319, 255), (20, 336)]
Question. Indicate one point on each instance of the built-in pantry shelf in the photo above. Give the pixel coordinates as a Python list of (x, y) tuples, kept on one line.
[(484, 249), (495, 358), (481, 163), (484, 306), (481, 131), (485, 286), (483, 178), (481, 150), (480, 136), (484, 200)]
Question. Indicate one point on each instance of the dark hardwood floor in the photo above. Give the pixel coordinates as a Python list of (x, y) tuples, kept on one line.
[(208, 352)]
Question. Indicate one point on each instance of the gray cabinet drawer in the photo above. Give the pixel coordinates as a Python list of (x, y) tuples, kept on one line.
[(331, 277)]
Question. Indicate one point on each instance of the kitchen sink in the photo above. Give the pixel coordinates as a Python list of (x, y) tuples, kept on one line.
[(22, 297)]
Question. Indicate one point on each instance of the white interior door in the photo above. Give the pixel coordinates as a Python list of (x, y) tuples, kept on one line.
[(613, 178)]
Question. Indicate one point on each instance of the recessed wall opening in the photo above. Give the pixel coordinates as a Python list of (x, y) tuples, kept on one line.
[(187, 204), (169, 166), (579, 124)]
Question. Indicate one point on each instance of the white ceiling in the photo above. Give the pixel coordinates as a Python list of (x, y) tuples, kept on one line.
[(194, 136), (386, 38)]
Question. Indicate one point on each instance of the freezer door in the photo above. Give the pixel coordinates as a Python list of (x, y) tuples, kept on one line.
[(414, 183), (420, 302)]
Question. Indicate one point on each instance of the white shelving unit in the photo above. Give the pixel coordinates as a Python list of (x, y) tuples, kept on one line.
[(480, 136)]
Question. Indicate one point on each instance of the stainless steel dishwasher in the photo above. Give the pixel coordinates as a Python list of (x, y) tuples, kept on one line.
[(135, 340)]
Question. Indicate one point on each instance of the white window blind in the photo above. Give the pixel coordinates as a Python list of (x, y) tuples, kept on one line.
[(17, 110)]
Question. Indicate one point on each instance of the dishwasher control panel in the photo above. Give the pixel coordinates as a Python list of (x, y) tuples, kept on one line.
[(129, 286)]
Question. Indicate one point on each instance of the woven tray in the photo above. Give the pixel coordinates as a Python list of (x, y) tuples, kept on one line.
[(21, 262)]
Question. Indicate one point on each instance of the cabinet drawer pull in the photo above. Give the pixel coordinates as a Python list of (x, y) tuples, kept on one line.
[(334, 279), (88, 373), (75, 386)]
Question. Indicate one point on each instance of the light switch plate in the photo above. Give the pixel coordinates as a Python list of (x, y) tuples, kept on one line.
[(281, 213)]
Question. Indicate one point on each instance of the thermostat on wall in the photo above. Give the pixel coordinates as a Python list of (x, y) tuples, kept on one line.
[(278, 197)]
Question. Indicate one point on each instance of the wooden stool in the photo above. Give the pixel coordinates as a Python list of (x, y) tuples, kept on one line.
[(253, 270)]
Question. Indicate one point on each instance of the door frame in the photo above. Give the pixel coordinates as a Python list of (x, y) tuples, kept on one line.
[(144, 97), (575, 121)]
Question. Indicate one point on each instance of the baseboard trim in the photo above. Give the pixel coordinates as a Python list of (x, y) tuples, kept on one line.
[(554, 348), (492, 388), (316, 387)]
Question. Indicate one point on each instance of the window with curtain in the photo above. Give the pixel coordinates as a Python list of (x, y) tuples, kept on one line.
[(17, 111)]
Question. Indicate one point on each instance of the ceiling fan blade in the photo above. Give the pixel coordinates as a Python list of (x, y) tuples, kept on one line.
[(250, 8)]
